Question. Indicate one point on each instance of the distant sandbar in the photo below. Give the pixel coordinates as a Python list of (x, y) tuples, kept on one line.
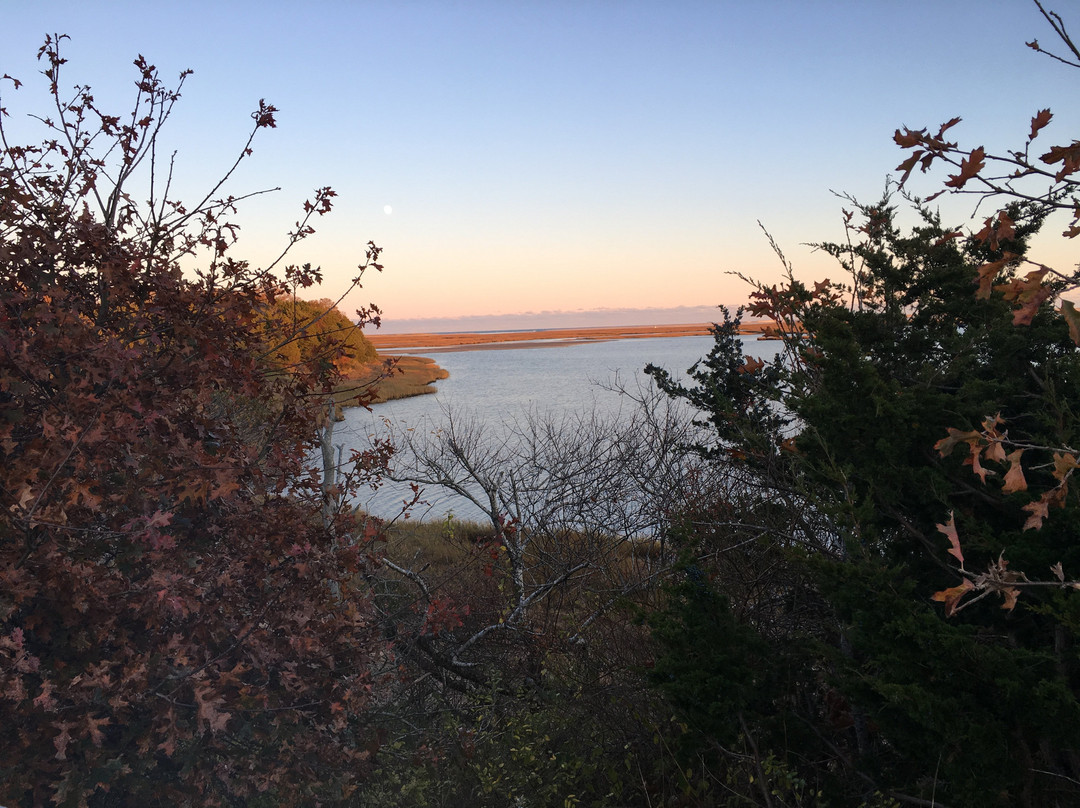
[(545, 338)]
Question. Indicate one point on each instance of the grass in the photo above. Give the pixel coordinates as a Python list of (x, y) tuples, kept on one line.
[(410, 376), (443, 547), (453, 551)]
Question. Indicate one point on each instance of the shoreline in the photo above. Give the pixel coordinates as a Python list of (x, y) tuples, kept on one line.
[(411, 376), (416, 374), (422, 343)]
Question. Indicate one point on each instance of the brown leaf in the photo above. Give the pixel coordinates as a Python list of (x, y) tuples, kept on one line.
[(997, 229), (1010, 595), (1030, 305), (908, 165), (44, 700), (1038, 121), (208, 708), (995, 451), (1068, 156), (988, 273), (1029, 293), (946, 445), (1071, 319), (172, 737), (949, 529), (1040, 508), (1014, 478), (970, 167), (61, 741), (908, 138), (974, 460), (945, 127), (951, 596), (751, 365), (1074, 228), (93, 727), (1063, 465)]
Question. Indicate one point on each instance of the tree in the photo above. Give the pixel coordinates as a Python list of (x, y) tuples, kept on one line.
[(1048, 182), (1005, 179), (520, 654), (317, 332), (965, 695), (566, 498), (840, 433), (178, 623)]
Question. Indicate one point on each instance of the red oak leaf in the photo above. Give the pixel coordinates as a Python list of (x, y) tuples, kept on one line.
[(949, 529), (951, 596), (1038, 121)]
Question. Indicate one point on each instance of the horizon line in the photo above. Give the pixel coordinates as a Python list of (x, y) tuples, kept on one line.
[(561, 318)]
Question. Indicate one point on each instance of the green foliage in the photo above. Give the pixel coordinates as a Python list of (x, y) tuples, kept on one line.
[(735, 394), (716, 670), (544, 748), (896, 697)]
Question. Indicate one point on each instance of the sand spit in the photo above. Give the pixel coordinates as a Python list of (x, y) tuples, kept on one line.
[(485, 341)]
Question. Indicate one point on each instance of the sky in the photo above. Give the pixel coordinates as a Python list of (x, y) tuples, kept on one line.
[(526, 162)]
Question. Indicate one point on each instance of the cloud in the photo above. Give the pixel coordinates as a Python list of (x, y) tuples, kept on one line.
[(578, 318)]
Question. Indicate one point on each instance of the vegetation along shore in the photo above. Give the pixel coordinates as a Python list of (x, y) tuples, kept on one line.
[(846, 575), (543, 338), (416, 375)]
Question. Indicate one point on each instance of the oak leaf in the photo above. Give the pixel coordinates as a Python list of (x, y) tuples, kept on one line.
[(908, 138), (93, 728), (1064, 464), (1068, 156), (62, 739), (949, 529), (1038, 121), (970, 167), (988, 272), (1010, 595), (208, 708), (951, 597), (1014, 478), (751, 365), (947, 444), (995, 451), (1072, 319), (908, 165)]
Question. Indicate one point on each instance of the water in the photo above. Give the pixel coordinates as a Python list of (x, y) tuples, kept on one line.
[(497, 386)]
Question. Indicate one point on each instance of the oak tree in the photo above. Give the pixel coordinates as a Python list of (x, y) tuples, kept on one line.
[(178, 623)]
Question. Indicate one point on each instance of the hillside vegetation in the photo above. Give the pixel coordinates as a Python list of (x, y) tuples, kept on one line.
[(844, 577), (316, 332)]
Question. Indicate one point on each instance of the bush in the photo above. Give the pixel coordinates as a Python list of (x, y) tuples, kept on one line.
[(178, 623)]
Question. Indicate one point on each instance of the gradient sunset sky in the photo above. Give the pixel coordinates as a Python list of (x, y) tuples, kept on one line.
[(536, 156)]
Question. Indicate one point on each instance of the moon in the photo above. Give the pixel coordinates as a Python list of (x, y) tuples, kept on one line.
[(387, 209)]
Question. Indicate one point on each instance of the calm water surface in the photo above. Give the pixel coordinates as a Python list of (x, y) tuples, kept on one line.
[(499, 385)]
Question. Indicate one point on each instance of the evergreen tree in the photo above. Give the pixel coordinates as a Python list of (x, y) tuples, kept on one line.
[(897, 694)]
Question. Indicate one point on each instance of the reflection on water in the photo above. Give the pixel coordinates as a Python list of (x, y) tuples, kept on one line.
[(497, 386)]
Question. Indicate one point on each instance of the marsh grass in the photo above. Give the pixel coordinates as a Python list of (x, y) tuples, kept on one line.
[(461, 558), (444, 547), (410, 376)]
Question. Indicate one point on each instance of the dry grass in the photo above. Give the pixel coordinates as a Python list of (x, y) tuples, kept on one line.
[(410, 376), (443, 546), (453, 553), (472, 341)]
